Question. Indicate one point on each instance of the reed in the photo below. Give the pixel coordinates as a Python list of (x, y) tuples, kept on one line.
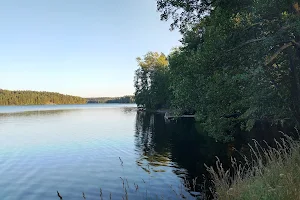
[(270, 173)]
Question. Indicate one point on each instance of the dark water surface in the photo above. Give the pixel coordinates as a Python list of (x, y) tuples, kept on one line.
[(82, 148)]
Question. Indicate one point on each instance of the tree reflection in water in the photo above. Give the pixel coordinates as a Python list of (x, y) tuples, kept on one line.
[(179, 146), (183, 147)]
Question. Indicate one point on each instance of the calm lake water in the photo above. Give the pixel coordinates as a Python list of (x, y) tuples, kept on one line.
[(82, 148)]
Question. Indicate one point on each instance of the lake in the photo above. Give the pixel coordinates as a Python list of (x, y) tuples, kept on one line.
[(82, 148)]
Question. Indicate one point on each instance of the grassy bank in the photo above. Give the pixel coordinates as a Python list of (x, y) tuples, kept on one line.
[(271, 173)]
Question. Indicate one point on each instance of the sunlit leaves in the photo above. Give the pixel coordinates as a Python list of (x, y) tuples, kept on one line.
[(151, 81)]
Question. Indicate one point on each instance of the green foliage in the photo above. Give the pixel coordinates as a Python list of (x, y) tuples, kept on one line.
[(186, 13), (238, 58), (125, 99), (152, 81), (37, 98)]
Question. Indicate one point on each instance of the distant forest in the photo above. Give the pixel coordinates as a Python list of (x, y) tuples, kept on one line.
[(125, 99), (37, 98), (27, 97)]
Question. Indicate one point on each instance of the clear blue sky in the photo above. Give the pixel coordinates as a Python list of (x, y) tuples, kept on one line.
[(78, 47)]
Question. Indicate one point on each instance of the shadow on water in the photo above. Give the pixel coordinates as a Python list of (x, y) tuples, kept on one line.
[(177, 145), (183, 147)]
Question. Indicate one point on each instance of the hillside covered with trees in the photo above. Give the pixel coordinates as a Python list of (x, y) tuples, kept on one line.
[(37, 98), (124, 99), (239, 62)]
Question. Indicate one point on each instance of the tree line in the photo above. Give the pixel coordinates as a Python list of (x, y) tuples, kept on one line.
[(124, 99), (37, 98), (239, 62)]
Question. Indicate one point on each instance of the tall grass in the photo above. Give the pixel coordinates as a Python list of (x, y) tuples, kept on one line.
[(270, 173)]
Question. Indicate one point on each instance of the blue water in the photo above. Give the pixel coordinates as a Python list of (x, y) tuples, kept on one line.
[(82, 148), (12, 109)]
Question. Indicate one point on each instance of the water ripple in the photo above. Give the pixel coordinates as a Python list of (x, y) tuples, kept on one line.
[(82, 150)]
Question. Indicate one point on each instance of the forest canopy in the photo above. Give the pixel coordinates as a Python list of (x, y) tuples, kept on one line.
[(8, 97), (27, 97), (124, 99), (239, 62)]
